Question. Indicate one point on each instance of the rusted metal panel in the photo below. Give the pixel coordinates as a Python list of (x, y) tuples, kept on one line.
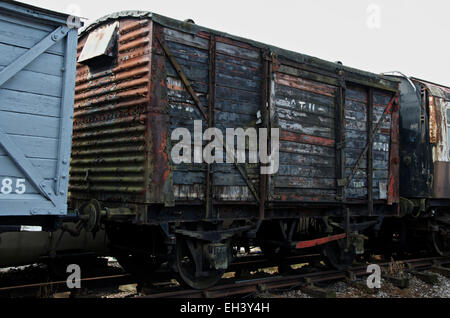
[(441, 177), (437, 98)]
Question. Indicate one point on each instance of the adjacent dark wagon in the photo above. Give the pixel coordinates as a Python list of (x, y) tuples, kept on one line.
[(141, 76)]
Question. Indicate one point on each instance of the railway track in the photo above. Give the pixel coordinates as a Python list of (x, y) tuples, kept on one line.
[(230, 287), (246, 287)]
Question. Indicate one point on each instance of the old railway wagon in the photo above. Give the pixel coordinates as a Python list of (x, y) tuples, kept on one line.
[(140, 76), (37, 76), (37, 80), (424, 167)]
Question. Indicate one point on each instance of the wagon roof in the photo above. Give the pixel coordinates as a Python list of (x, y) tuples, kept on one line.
[(436, 90), (33, 11), (366, 77)]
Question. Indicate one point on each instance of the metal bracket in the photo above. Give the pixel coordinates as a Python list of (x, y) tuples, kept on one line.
[(15, 67)]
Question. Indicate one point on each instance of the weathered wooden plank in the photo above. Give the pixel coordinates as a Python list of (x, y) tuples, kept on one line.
[(232, 119), (306, 192), (307, 129), (178, 95), (29, 125), (306, 85), (227, 179), (236, 107), (306, 97), (237, 70), (232, 94), (35, 147), (24, 36), (185, 38), (47, 168), (299, 182), (180, 177), (308, 75), (306, 171), (238, 82), (185, 53), (32, 82), (189, 192), (46, 63), (307, 160), (307, 139), (29, 103), (194, 72), (356, 93), (304, 117), (240, 52), (176, 84), (233, 193), (300, 148)]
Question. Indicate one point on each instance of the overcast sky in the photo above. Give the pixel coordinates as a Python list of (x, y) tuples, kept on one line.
[(411, 36)]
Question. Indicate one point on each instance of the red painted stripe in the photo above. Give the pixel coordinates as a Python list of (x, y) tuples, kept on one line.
[(290, 136), (321, 241)]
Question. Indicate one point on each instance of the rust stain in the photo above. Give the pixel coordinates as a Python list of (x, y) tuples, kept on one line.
[(394, 157)]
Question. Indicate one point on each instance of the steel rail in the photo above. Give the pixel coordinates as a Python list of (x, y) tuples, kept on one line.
[(271, 283)]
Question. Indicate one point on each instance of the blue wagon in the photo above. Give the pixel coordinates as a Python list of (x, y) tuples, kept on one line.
[(37, 77)]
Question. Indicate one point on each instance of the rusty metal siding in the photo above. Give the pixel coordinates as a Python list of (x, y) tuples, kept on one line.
[(438, 100), (109, 147)]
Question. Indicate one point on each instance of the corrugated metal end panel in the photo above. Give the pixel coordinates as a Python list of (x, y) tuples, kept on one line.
[(237, 101), (36, 104), (110, 121)]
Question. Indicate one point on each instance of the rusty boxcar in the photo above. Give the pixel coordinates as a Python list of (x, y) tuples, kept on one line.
[(140, 76)]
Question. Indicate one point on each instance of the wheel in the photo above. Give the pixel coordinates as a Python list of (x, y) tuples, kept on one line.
[(141, 267), (189, 262), (440, 243), (337, 257)]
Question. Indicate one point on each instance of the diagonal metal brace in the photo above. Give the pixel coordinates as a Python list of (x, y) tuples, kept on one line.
[(199, 105), (183, 77), (17, 156), (394, 101), (20, 63)]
